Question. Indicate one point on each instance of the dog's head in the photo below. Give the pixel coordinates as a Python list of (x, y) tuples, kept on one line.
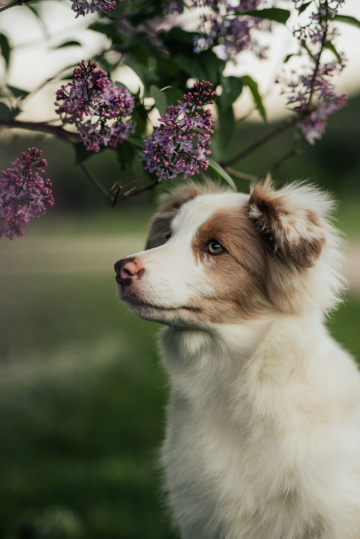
[(213, 256)]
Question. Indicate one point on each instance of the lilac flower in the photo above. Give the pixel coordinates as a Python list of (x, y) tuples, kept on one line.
[(92, 95), (23, 193), (178, 145), (221, 21), (83, 7)]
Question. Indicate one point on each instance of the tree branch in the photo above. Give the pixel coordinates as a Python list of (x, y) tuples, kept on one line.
[(72, 138), (14, 4), (260, 142), (42, 127)]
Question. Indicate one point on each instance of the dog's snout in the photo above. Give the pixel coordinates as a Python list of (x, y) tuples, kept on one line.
[(128, 268)]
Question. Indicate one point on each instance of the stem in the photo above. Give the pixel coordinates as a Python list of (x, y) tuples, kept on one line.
[(312, 88), (14, 4), (260, 142), (241, 175), (58, 131), (42, 127), (95, 181), (136, 192), (279, 162)]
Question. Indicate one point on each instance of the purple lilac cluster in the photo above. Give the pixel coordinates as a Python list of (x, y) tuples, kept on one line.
[(179, 144), (235, 33), (313, 95), (23, 193), (83, 7), (92, 95)]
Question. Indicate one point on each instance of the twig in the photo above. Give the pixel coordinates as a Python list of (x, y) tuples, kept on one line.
[(42, 127), (14, 4), (260, 142), (95, 181), (72, 138), (241, 175), (279, 162), (137, 191)]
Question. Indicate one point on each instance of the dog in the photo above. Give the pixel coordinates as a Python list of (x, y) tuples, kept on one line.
[(263, 432)]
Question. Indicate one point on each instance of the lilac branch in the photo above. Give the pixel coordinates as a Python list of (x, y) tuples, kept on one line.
[(14, 4), (260, 142), (317, 65)]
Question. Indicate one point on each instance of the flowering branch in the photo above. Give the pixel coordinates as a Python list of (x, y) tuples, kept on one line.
[(92, 95), (317, 64), (170, 150)]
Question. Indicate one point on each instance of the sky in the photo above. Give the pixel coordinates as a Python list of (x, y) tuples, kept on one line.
[(34, 58)]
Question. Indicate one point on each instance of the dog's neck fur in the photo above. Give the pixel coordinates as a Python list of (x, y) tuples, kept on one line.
[(233, 361)]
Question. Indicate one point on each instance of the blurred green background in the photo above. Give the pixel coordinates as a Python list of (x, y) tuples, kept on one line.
[(82, 392)]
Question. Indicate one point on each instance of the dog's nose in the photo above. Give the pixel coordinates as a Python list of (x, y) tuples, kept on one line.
[(127, 268)]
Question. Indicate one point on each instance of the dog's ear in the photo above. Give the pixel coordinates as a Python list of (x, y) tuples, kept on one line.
[(289, 220), (170, 203)]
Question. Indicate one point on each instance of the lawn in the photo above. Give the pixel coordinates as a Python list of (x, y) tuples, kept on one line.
[(82, 392)]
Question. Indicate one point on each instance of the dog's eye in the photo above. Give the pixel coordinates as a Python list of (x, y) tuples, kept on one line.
[(167, 236), (214, 247)]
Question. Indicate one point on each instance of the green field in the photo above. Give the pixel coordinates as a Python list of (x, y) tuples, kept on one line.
[(82, 392)]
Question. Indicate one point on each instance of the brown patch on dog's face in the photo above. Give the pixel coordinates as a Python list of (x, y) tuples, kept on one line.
[(160, 224), (237, 275)]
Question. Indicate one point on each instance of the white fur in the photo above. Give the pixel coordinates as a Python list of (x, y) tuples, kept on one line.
[(263, 436)]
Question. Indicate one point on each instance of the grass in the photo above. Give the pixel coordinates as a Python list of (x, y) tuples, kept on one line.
[(82, 393)]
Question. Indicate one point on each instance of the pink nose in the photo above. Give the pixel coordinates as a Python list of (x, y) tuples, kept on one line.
[(127, 269)]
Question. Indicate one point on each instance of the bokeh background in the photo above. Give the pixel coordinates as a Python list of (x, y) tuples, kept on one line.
[(82, 393)]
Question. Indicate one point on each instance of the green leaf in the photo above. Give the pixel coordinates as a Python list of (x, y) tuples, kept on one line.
[(18, 92), (146, 76), (108, 30), (81, 153), (347, 19), (126, 154), (5, 112), (68, 44), (328, 45), (159, 98), (213, 165), (8, 114), (253, 87), (304, 6), (272, 14), (5, 49), (232, 88), (136, 142), (226, 126), (191, 66), (287, 57), (173, 95)]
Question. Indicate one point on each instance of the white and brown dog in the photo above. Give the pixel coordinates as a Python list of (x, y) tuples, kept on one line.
[(263, 437)]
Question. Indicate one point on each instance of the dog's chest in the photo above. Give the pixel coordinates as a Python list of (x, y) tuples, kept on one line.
[(217, 452)]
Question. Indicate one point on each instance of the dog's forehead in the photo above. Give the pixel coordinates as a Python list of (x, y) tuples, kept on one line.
[(200, 209)]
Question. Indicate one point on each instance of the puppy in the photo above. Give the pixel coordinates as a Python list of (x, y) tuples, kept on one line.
[(263, 434)]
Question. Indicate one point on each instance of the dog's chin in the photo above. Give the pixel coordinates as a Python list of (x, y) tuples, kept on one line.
[(176, 316)]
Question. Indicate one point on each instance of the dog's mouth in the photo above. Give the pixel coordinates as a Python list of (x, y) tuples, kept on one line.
[(137, 302)]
